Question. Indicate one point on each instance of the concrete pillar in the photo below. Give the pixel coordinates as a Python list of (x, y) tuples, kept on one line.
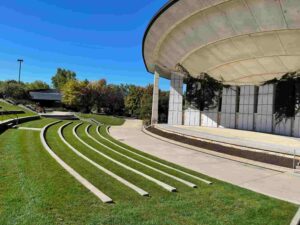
[(191, 117), (154, 115), (264, 116), (228, 115), (246, 109), (175, 100)]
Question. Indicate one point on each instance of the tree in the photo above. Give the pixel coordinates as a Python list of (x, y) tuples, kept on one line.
[(99, 94), (203, 92), (146, 104), (163, 106), (61, 77), (133, 100), (95, 95), (73, 93), (13, 89), (37, 85), (114, 99)]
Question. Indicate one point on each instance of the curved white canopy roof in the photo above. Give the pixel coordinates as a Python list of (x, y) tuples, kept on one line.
[(237, 41)]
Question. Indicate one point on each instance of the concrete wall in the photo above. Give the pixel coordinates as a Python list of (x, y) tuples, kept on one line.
[(175, 100), (296, 126), (192, 117), (9, 123), (246, 108), (209, 118), (228, 115), (264, 116), (246, 119), (284, 127)]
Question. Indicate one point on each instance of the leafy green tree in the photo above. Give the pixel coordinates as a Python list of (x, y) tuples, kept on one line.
[(37, 85), (133, 100), (13, 89), (61, 77), (146, 104), (99, 94), (94, 95), (72, 93)]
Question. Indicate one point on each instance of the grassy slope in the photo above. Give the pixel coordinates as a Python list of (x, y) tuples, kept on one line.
[(38, 123), (132, 164), (108, 120), (11, 107), (128, 175), (34, 189)]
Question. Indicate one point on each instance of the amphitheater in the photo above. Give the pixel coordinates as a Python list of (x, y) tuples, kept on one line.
[(242, 43), (79, 160)]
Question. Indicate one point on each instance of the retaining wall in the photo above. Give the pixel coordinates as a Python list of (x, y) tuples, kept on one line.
[(11, 122)]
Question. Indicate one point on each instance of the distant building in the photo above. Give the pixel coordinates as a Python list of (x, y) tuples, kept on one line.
[(46, 96)]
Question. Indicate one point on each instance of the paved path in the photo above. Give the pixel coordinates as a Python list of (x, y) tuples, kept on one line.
[(271, 142), (285, 186)]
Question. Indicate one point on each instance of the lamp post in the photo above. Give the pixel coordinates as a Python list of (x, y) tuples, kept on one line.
[(20, 61)]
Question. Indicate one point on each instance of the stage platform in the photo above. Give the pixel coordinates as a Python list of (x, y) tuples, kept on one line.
[(248, 139)]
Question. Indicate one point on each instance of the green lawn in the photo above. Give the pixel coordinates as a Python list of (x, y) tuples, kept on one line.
[(37, 123), (34, 189), (104, 119), (10, 107)]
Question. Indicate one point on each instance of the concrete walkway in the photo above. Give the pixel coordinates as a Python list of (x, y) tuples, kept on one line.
[(285, 186)]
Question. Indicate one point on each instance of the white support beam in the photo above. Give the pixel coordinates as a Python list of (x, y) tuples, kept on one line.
[(175, 99), (154, 115)]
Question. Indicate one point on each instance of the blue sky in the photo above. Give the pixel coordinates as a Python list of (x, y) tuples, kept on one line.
[(96, 39)]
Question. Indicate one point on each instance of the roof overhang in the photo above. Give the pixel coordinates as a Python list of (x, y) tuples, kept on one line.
[(236, 41)]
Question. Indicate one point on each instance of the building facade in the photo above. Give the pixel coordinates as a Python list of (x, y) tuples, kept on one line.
[(242, 43)]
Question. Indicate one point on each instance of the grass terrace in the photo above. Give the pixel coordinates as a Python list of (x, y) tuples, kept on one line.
[(37, 123), (9, 107), (104, 119), (35, 189)]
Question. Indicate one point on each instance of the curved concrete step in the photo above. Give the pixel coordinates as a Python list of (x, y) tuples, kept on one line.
[(152, 160), (190, 184), (103, 197), (108, 172), (158, 182), (296, 219)]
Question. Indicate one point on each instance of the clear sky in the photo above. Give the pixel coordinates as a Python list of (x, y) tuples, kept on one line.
[(95, 38)]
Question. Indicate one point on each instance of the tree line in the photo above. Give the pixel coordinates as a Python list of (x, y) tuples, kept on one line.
[(19, 91), (93, 96)]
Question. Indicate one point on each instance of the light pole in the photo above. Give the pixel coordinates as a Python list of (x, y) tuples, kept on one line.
[(20, 61)]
